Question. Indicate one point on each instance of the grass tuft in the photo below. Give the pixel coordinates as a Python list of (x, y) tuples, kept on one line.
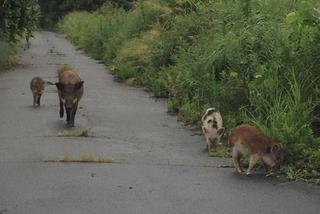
[(75, 132), (220, 152), (65, 158), (85, 158), (7, 55)]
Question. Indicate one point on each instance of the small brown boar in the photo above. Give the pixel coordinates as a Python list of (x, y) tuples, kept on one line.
[(212, 128), (246, 140), (70, 91), (37, 87)]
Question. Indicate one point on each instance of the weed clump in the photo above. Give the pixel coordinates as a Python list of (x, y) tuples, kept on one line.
[(7, 55), (85, 158), (76, 132)]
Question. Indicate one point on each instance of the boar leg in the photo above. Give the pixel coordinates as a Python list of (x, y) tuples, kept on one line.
[(236, 160), (34, 99), (208, 144), (61, 109), (69, 113), (74, 113), (240, 164), (252, 163), (213, 145), (38, 100)]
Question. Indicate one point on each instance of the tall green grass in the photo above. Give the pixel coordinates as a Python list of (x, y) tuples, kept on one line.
[(102, 33), (286, 116), (256, 60), (7, 55)]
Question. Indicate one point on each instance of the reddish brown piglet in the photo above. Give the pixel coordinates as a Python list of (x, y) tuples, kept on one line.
[(248, 141), (37, 87)]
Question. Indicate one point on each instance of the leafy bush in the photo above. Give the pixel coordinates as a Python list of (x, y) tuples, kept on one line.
[(286, 116), (133, 55), (18, 19), (53, 10), (7, 55)]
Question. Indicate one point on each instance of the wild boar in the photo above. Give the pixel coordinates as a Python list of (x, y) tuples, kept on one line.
[(212, 128), (37, 87), (246, 140), (70, 91)]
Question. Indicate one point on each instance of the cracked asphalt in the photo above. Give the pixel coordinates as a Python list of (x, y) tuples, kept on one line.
[(158, 165)]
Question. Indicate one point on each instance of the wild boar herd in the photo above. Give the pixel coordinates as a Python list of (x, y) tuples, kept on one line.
[(244, 140), (70, 91)]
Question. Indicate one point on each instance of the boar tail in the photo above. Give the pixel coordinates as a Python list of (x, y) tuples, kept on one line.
[(49, 83)]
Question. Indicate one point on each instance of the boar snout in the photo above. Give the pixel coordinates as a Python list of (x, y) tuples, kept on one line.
[(274, 156), (69, 111), (277, 152), (68, 106)]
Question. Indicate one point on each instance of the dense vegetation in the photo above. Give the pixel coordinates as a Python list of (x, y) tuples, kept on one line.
[(53, 10), (17, 20), (257, 61)]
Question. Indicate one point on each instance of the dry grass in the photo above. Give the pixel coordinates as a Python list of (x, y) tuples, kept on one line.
[(85, 158), (65, 158), (130, 82), (75, 133), (136, 51)]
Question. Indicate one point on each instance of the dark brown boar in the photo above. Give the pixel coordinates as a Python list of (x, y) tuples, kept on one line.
[(246, 140), (37, 87), (70, 91)]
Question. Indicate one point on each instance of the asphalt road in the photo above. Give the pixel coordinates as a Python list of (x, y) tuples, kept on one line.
[(158, 166)]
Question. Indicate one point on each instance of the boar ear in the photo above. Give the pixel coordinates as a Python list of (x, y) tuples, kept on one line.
[(79, 85), (204, 130), (220, 131), (275, 148), (211, 111), (60, 86), (268, 150), (203, 117)]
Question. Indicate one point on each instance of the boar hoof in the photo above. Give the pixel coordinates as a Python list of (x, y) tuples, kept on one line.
[(249, 174), (70, 125), (238, 172)]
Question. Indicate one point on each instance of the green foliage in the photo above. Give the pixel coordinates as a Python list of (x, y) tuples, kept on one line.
[(54, 10), (286, 116), (18, 19), (133, 55), (221, 151), (7, 55), (255, 60)]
